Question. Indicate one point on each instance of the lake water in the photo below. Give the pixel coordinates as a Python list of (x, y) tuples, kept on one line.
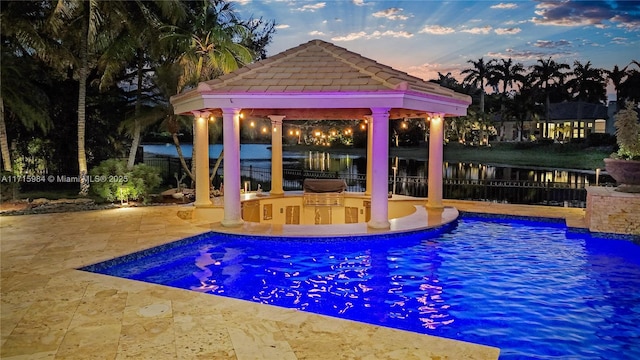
[(259, 155)]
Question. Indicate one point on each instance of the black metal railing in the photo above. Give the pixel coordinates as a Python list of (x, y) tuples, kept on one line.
[(169, 167), (505, 191)]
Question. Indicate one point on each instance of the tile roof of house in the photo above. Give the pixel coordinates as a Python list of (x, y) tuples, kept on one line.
[(319, 66), (570, 111)]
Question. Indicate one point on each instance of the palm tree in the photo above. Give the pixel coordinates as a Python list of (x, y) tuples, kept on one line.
[(447, 81), (476, 76), (588, 83), (630, 87), (543, 75), (617, 77), (166, 78), (83, 29), (523, 108), (22, 46), (211, 46), (138, 43), (507, 73)]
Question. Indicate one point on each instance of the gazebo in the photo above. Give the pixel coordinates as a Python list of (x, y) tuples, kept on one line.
[(320, 81)]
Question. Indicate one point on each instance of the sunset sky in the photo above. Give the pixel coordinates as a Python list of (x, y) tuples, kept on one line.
[(424, 37)]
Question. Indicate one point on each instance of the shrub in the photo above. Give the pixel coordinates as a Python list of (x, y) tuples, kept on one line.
[(111, 180), (9, 188), (628, 133)]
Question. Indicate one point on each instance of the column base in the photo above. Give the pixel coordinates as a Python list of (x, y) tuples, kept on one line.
[(379, 224), (434, 206), (231, 222), (204, 203)]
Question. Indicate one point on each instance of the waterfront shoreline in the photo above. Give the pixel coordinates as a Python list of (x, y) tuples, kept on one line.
[(541, 158)]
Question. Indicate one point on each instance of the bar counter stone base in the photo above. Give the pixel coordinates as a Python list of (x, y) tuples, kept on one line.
[(611, 211)]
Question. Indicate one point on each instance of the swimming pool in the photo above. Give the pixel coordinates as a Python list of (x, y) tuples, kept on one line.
[(530, 287)]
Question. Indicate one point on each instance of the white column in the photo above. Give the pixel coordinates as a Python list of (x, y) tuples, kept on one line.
[(231, 148), (379, 169), (276, 154), (367, 190), (201, 140), (436, 142)]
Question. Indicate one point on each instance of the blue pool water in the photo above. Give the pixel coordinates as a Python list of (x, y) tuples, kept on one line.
[(531, 288)]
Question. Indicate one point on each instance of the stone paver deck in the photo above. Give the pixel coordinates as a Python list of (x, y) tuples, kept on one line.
[(50, 310)]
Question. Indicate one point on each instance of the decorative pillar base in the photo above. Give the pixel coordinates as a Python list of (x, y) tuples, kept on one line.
[(434, 206), (379, 224), (202, 203), (232, 222)]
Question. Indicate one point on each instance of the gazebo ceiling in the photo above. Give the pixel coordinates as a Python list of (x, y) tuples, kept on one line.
[(319, 80)]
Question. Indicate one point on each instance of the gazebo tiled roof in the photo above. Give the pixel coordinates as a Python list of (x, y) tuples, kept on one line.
[(319, 67)]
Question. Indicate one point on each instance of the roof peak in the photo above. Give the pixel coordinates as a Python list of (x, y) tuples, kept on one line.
[(321, 66)]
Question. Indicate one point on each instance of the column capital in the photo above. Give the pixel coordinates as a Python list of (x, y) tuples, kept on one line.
[(380, 111), (276, 119), (231, 110), (436, 116), (201, 115)]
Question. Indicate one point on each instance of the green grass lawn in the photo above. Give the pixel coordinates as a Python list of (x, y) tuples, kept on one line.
[(564, 156)]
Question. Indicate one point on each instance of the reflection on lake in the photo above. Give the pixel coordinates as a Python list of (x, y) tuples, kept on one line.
[(259, 156), (350, 164)]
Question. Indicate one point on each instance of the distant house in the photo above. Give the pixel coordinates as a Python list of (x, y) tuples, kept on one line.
[(573, 120)]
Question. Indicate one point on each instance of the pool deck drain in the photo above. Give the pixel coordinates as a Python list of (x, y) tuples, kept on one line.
[(49, 309)]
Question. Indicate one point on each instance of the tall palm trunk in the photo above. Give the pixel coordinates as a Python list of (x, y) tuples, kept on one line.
[(176, 142), (217, 165), (82, 95), (173, 127), (4, 142), (482, 99), (545, 132), (137, 128)]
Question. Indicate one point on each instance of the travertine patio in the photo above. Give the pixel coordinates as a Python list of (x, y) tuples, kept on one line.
[(51, 310)]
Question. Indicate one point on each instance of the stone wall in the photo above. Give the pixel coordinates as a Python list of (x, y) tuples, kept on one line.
[(612, 211)]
